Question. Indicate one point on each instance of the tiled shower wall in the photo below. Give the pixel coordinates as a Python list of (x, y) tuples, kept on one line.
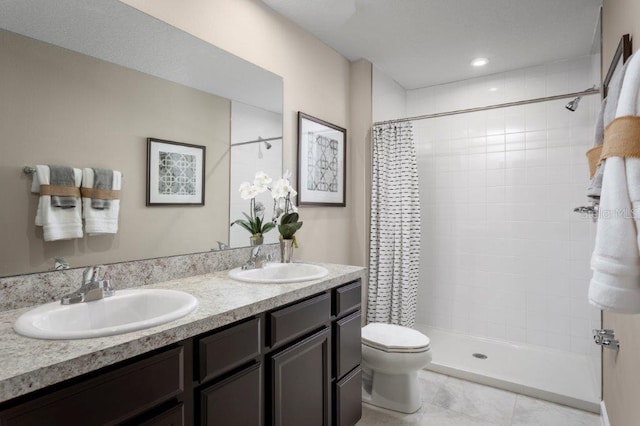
[(504, 256)]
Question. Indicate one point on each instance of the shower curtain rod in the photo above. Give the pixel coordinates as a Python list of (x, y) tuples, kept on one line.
[(587, 92), (257, 140)]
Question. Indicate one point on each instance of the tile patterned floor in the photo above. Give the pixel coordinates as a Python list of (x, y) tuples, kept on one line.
[(450, 401)]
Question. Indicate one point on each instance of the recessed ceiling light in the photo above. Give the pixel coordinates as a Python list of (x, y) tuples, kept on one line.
[(479, 62), (493, 89)]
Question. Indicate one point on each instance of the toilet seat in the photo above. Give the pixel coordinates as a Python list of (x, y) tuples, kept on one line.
[(394, 338)]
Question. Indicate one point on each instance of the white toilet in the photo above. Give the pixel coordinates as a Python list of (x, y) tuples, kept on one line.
[(391, 358)]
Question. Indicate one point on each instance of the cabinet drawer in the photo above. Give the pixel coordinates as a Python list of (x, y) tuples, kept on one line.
[(107, 399), (235, 401), (295, 320), (348, 351), (174, 416), (347, 298), (227, 349), (348, 399)]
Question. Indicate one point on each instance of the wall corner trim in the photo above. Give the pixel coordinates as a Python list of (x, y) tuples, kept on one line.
[(604, 417)]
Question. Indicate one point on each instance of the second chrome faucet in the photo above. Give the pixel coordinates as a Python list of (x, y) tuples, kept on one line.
[(92, 288), (256, 259)]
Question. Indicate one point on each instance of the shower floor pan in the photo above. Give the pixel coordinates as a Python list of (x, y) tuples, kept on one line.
[(556, 376)]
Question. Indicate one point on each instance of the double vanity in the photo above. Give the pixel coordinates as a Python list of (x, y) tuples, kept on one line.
[(271, 353)]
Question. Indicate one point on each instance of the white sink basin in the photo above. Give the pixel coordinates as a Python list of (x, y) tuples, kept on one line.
[(127, 310), (280, 273)]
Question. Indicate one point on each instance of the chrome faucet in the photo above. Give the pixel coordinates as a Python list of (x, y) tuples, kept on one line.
[(92, 288), (256, 260)]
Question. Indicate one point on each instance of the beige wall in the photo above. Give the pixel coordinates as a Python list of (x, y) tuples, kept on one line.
[(360, 153), (618, 17), (316, 81), (61, 107), (621, 370)]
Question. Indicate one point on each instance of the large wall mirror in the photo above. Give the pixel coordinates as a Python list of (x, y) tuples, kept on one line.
[(84, 83)]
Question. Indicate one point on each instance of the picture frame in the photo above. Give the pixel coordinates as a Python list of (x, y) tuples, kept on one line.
[(322, 166), (175, 173)]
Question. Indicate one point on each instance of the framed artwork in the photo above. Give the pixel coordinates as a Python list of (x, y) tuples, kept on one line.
[(175, 173), (322, 167)]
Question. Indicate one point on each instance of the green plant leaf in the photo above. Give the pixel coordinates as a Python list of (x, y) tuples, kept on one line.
[(268, 227), (244, 224), (288, 230), (289, 218), (249, 224)]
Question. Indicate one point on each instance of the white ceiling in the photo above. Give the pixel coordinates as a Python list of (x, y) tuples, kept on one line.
[(421, 43)]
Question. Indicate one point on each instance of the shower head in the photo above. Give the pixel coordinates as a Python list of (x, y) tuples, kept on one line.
[(573, 105), (266, 144)]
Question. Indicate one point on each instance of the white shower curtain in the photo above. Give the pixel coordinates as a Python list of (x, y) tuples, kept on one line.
[(395, 227)]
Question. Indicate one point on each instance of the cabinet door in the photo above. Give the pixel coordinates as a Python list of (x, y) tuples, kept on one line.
[(348, 344), (348, 397), (300, 382), (235, 401)]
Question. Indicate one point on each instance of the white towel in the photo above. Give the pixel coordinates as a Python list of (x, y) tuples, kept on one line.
[(615, 285), (100, 221), (607, 114), (57, 223)]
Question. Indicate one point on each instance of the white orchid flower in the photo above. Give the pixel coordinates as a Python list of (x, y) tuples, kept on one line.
[(279, 189), (261, 182), (247, 191)]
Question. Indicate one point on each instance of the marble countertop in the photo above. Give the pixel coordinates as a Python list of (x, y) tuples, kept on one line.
[(29, 364)]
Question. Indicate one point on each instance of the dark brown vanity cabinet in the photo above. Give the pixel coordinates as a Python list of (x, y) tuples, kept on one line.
[(295, 365), (308, 367), (347, 375), (146, 389), (316, 380)]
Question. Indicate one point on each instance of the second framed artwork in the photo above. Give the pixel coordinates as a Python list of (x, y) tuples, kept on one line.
[(322, 167), (175, 173)]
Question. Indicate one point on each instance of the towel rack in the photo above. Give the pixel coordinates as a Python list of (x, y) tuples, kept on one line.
[(28, 170), (623, 51)]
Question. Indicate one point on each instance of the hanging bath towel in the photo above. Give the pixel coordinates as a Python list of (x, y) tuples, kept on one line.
[(615, 285)]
